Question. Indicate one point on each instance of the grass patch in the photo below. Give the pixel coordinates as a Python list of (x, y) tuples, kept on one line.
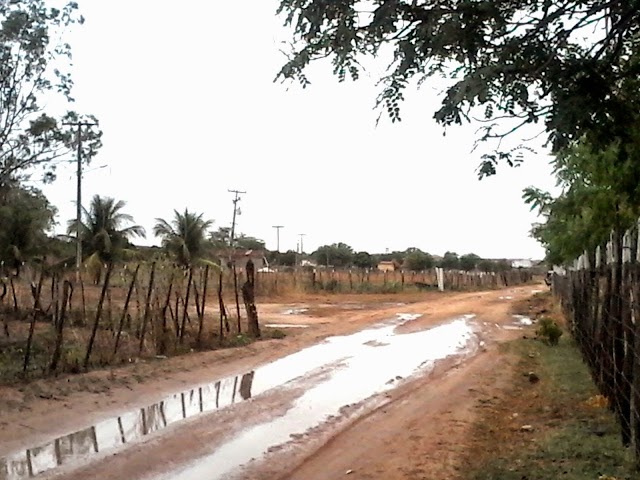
[(572, 437)]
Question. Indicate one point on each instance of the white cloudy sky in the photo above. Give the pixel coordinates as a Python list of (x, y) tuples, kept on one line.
[(185, 96)]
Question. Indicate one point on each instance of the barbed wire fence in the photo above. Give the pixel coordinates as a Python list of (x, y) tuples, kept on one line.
[(600, 298)]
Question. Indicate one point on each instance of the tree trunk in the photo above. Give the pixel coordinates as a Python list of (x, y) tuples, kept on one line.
[(223, 310), (5, 324), (13, 293), (248, 296), (235, 288)]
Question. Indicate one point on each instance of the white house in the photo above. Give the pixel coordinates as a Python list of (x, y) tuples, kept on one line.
[(522, 263)]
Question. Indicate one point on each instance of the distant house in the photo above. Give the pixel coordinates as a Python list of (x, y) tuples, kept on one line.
[(388, 266), (308, 263), (521, 263), (241, 257)]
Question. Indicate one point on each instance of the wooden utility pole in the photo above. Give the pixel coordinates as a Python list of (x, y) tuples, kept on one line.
[(278, 227), (79, 125), (232, 258), (235, 212)]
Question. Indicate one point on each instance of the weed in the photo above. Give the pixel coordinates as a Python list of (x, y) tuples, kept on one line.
[(549, 331)]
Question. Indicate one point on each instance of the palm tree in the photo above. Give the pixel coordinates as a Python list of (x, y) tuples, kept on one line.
[(105, 230), (184, 236)]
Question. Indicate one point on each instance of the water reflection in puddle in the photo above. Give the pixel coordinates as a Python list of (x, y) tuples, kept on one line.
[(285, 325), (375, 360), (365, 361), (295, 311)]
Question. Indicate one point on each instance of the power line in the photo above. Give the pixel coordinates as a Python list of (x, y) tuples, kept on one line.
[(79, 125)]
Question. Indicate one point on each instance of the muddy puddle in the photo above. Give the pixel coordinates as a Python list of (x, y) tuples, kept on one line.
[(357, 366)]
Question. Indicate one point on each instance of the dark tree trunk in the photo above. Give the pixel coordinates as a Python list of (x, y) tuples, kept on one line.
[(235, 289), (248, 296), (3, 294)]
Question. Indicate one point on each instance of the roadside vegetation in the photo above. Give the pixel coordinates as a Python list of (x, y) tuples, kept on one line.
[(550, 422)]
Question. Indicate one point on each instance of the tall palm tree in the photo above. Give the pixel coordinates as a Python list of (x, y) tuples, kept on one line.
[(184, 236), (105, 230)]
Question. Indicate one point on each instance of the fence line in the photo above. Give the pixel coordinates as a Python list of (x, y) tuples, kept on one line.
[(121, 313), (600, 297)]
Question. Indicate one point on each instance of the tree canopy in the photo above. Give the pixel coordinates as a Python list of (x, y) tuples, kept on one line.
[(105, 230), (335, 255), (184, 236), (417, 260), (32, 63), (364, 260), (567, 63), (598, 196), (25, 218)]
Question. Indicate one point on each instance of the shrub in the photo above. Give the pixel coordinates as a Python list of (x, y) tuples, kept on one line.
[(549, 331)]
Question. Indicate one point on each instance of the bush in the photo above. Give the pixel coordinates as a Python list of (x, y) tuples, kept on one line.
[(331, 286), (276, 334), (549, 331)]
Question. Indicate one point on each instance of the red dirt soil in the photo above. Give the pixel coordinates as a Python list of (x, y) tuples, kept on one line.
[(415, 431)]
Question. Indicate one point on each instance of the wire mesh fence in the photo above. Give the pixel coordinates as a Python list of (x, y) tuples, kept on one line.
[(602, 308)]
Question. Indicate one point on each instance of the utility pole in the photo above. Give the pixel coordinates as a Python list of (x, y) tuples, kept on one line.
[(232, 256), (278, 227), (301, 235), (79, 125), (236, 199)]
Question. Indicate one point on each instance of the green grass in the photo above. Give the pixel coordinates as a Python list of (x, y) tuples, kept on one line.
[(570, 441)]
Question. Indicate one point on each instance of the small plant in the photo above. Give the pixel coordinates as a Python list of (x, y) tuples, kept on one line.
[(276, 334), (331, 286), (549, 331)]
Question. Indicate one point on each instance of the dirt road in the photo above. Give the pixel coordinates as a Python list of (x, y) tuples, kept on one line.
[(413, 428)]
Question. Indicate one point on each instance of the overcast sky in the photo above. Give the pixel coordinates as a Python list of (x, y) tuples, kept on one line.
[(185, 96)]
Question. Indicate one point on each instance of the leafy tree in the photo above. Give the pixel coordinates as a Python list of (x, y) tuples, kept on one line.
[(486, 265), (220, 238), (469, 262), (450, 261), (396, 256), (25, 217), (336, 254), (246, 242), (105, 230), (364, 260), (286, 259), (185, 236), (511, 63), (32, 63), (596, 199), (417, 260)]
